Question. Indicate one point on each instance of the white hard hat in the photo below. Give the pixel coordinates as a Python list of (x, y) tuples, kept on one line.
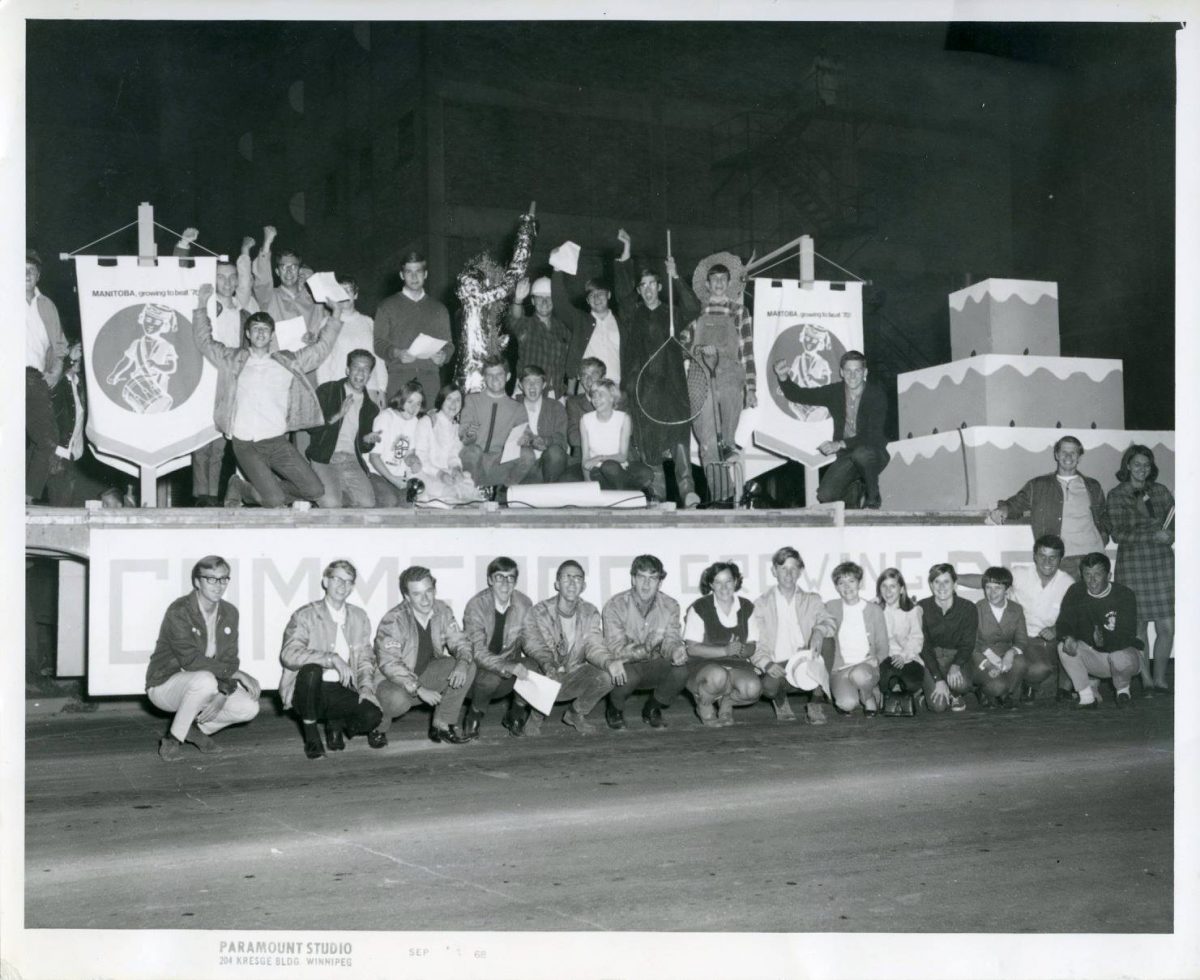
[(541, 287)]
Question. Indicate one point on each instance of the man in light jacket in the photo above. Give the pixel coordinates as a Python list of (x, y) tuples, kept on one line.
[(328, 671), (262, 395), (421, 656), (564, 637), (493, 621), (790, 621)]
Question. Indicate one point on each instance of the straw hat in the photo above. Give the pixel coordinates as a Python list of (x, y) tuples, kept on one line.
[(737, 275)]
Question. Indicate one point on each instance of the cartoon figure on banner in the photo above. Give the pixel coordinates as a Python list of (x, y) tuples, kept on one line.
[(810, 369), (145, 360), (148, 363), (813, 352)]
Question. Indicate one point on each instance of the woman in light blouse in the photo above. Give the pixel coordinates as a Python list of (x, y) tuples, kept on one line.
[(720, 634), (902, 671)]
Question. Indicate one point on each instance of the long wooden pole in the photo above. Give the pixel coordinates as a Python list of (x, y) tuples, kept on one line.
[(670, 289)]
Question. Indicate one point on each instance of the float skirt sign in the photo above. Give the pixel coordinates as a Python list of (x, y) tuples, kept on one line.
[(150, 392), (810, 329)]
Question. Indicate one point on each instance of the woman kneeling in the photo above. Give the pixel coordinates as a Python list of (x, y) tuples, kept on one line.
[(998, 667), (859, 646), (720, 634)]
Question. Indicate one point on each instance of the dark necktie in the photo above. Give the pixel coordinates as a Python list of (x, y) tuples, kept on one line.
[(487, 446)]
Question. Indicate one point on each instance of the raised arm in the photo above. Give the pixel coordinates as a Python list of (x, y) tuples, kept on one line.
[(264, 281)]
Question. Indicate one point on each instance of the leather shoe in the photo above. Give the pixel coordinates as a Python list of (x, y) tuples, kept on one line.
[(652, 714), (314, 749), (514, 721), (614, 718), (334, 738), (470, 727), (1124, 700), (452, 735), (377, 740)]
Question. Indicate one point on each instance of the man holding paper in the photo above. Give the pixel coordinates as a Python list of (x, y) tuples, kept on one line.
[(547, 433), (262, 395), (792, 626), (595, 333), (494, 452), (564, 637), (358, 333), (289, 299), (402, 319), (645, 645), (493, 621)]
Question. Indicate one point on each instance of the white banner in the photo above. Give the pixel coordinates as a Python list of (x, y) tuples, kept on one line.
[(150, 392), (810, 329), (135, 572)]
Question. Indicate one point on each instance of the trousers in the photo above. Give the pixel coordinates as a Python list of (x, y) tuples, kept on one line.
[(338, 706), (396, 701), (861, 462), (665, 678), (189, 691), (277, 471)]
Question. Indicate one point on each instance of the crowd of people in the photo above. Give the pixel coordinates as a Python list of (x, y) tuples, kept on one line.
[(1037, 631), (367, 414)]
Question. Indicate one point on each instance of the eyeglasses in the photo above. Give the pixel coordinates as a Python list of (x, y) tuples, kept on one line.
[(216, 579), (348, 582), (505, 576)]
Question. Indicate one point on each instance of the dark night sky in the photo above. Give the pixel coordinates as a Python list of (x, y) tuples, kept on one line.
[(113, 112)]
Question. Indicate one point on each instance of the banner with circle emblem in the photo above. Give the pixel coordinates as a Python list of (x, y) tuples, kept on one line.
[(809, 327), (150, 391)]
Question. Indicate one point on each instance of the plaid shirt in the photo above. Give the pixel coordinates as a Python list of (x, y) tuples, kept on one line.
[(542, 344), (745, 328)]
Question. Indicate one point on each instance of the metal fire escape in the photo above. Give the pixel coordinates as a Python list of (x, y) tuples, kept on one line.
[(800, 154), (796, 165)]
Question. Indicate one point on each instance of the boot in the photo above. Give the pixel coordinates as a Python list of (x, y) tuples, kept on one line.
[(471, 722), (516, 718), (652, 713), (312, 741)]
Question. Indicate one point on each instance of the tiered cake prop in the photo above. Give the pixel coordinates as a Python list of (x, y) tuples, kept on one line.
[(974, 430)]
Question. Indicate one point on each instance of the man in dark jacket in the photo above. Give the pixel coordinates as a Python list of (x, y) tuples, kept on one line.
[(194, 671), (337, 447), (1065, 503), (1097, 630), (652, 370), (858, 411)]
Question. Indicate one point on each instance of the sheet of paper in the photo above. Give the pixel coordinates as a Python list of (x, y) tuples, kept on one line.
[(424, 347), (565, 258), (539, 690), (325, 288), (512, 445), (289, 334), (806, 652)]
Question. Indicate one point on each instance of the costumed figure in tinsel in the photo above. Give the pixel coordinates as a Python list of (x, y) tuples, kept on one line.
[(483, 290)]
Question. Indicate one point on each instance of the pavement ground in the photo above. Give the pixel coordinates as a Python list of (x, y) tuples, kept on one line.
[(1042, 819)]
